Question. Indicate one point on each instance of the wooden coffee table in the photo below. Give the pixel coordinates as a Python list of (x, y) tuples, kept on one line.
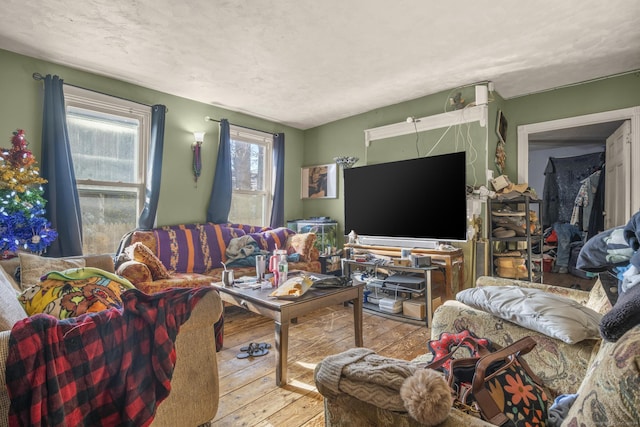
[(284, 311)]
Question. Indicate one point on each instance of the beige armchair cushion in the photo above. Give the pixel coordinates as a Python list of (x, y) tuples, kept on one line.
[(32, 267), (561, 366), (610, 392)]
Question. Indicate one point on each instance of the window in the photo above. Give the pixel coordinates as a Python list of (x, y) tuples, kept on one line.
[(252, 176), (109, 139)]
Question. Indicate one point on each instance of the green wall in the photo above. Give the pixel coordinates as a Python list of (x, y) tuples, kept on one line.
[(181, 201), (346, 137)]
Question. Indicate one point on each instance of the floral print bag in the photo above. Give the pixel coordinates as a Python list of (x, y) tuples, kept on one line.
[(500, 387)]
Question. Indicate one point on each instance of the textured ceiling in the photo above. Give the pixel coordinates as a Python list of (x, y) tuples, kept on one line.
[(304, 63)]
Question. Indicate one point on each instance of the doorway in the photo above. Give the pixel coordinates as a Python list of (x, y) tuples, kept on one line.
[(575, 137), (572, 124), (579, 142)]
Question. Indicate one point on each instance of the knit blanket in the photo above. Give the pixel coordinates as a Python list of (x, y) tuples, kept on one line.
[(108, 368), (366, 376)]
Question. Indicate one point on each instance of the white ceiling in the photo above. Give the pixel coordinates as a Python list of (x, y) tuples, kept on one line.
[(304, 63)]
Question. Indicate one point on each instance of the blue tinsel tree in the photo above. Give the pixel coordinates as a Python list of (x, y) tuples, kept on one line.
[(22, 222)]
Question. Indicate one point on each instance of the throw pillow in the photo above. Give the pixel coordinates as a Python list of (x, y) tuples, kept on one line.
[(11, 311), (550, 314), (135, 272), (270, 240), (146, 237), (33, 267), (73, 292), (623, 316), (302, 244), (139, 252)]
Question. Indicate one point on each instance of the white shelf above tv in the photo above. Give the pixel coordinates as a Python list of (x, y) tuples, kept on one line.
[(466, 115)]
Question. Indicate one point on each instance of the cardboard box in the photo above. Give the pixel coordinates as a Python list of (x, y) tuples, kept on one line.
[(435, 303), (415, 309)]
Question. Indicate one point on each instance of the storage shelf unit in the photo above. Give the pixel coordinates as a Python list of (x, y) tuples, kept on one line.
[(350, 266), (515, 214)]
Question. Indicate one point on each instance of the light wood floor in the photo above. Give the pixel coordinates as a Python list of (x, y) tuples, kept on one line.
[(248, 394)]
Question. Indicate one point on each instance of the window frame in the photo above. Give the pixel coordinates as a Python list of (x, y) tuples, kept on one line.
[(252, 136), (111, 105)]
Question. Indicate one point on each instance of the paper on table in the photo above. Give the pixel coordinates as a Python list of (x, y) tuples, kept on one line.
[(293, 288)]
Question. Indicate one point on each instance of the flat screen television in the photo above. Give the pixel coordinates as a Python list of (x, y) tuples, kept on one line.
[(409, 203)]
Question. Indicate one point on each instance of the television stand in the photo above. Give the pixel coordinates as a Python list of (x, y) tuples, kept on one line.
[(452, 260), (424, 289)]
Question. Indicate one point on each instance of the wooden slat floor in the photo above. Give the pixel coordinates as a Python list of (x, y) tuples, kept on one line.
[(248, 392)]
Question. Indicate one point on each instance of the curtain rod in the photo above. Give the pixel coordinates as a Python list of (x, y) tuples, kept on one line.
[(38, 76), (211, 119)]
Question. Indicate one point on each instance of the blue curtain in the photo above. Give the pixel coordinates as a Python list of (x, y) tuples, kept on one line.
[(154, 168), (220, 200), (277, 210), (63, 203)]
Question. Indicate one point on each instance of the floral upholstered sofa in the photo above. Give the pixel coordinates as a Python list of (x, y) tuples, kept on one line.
[(604, 375), (192, 255)]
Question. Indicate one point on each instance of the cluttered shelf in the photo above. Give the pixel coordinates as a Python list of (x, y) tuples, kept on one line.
[(449, 259), (393, 290)]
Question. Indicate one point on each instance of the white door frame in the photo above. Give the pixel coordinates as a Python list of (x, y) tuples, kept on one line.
[(632, 114)]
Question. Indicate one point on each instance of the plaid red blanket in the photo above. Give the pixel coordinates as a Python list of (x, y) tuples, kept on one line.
[(98, 369)]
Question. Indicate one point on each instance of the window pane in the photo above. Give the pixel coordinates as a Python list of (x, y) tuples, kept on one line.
[(107, 215), (247, 166), (103, 146), (251, 176), (247, 208)]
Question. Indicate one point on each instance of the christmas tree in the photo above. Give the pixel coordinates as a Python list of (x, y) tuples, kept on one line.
[(22, 222)]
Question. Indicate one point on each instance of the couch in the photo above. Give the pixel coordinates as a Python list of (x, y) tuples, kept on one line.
[(191, 255), (193, 399), (605, 375)]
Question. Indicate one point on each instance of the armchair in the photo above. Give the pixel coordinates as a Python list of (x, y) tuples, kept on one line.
[(605, 375), (193, 399)]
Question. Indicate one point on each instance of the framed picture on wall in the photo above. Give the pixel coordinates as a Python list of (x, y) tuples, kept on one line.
[(319, 182), (501, 127)]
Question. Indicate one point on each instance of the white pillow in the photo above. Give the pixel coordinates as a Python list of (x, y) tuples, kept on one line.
[(550, 314)]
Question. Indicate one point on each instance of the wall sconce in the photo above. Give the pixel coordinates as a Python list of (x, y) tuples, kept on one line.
[(346, 162), (197, 159)]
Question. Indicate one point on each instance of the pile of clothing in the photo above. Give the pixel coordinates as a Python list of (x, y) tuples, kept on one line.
[(615, 252)]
